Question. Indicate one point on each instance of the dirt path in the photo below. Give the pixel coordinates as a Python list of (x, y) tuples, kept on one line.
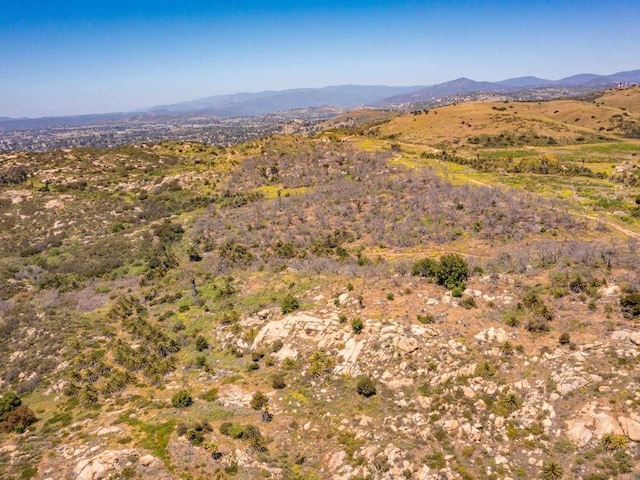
[(608, 223)]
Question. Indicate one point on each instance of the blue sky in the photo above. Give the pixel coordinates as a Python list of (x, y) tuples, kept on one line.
[(75, 57)]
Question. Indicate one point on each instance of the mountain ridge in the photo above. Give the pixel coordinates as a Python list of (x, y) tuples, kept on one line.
[(465, 85), (246, 104)]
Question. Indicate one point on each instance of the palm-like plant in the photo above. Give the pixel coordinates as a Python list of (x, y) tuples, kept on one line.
[(486, 369), (611, 441), (552, 471), (507, 349), (512, 402)]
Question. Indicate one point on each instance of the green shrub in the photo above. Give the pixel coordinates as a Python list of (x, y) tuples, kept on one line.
[(196, 433), (181, 399), (457, 292), (577, 285), (277, 381), (630, 305), (435, 460), (17, 420), (425, 319), (537, 325), (277, 346), (88, 395), (453, 270), (564, 339), (201, 343), (289, 363), (224, 428), (427, 267), (233, 430), (259, 400), (257, 355), (9, 401), (468, 302), (366, 386), (210, 395), (234, 254), (289, 304), (201, 361), (357, 325), (231, 469)]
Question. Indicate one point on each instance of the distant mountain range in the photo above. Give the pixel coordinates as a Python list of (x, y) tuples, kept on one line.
[(344, 96), (586, 82), (249, 104)]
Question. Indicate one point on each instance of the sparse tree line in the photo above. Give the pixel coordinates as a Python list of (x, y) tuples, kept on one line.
[(543, 165)]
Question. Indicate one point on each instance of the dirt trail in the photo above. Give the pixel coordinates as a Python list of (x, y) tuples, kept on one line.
[(608, 223)]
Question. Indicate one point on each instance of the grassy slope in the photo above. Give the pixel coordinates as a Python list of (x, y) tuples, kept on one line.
[(324, 186)]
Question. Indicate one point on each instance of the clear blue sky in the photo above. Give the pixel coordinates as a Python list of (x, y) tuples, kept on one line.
[(60, 57)]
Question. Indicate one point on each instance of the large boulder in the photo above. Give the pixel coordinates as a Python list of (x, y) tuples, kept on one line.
[(592, 421)]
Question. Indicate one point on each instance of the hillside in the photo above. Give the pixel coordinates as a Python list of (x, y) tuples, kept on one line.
[(557, 121), (442, 294)]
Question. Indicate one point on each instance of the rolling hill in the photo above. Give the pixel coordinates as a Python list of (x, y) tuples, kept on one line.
[(556, 122), (452, 294)]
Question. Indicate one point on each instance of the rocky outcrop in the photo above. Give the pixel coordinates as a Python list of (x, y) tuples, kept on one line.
[(104, 465), (592, 422), (631, 426)]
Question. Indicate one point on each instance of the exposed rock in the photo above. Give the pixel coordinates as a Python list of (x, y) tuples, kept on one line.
[(492, 335), (568, 380), (107, 430), (579, 432), (451, 426), (633, 337), (349, 355), (631, 426), (104, 465), (609, 291), (234, 396), (468, 392), (336, 460), (406, 345), (591, 421), (148, 460)]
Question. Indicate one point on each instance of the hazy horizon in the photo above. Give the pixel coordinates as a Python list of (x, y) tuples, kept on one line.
[(80, 58)]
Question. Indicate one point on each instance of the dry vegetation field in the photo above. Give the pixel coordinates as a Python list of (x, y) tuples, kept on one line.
[(442, 294)]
